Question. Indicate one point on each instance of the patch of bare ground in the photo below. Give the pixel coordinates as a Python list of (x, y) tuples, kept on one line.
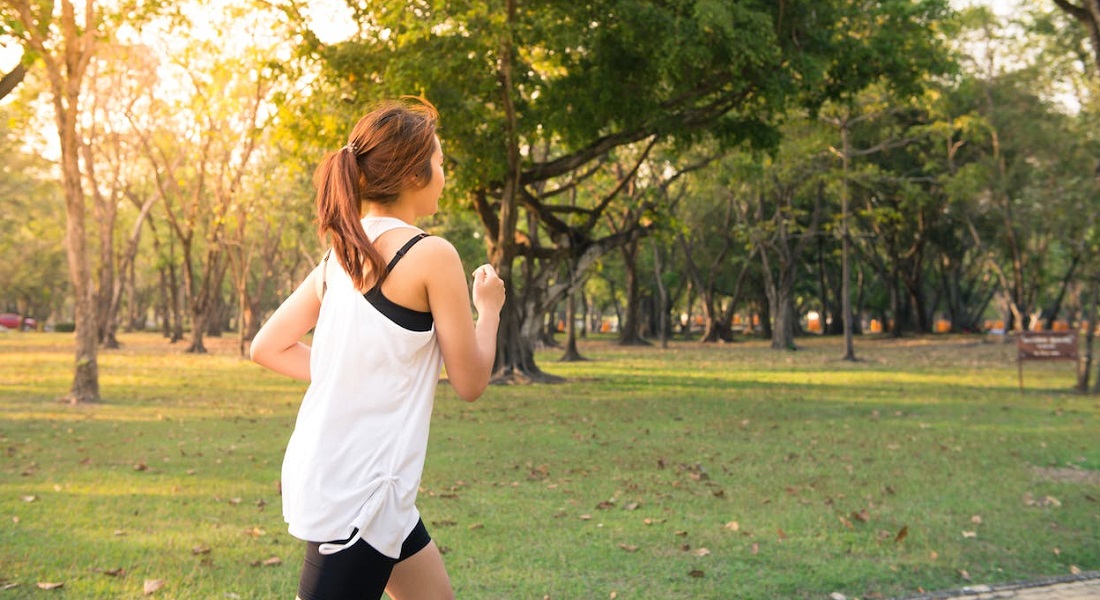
[(1068, 475)]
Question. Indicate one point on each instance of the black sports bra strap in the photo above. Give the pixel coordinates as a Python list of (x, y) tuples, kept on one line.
[(400, 253)]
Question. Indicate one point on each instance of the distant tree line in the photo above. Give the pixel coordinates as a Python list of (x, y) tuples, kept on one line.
[(704, 170)]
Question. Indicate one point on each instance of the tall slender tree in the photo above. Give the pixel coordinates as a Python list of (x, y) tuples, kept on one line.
[(65, 43)]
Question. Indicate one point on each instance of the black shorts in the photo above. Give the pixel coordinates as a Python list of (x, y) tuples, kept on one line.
[(359, 572)]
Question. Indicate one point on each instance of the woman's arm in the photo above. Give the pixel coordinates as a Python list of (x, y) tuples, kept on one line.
[(278, 345), (469, 349)]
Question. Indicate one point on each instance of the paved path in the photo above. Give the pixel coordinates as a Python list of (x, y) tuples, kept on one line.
[(1085, 586)]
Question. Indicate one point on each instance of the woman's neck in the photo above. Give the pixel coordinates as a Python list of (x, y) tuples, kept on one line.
[(392, 212)]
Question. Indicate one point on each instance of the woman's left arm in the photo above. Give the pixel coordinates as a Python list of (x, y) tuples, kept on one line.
[(278, 345)]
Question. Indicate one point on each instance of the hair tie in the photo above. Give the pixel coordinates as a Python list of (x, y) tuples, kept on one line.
[(350, 147)]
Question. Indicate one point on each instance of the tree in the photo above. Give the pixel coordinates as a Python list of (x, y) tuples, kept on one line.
[(32, 225), (65, 44), (201, 146), (584, 79)]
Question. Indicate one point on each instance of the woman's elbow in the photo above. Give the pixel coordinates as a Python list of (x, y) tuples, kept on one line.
[(258, 352), (470, 390)]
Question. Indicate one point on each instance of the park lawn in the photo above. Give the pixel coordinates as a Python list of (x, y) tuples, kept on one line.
[(728, 471)]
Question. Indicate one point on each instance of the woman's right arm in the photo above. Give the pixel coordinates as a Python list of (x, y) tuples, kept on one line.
[(468, 349), (278, 345)]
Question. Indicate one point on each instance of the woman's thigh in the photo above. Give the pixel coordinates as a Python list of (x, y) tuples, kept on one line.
[(422, 576)]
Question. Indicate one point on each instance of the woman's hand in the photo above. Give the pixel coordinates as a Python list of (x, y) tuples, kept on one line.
[(488, 290)]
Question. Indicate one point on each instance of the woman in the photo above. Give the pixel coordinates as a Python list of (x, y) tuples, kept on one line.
[(388, 304)]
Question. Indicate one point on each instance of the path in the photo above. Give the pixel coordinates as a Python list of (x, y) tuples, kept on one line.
[(1085, 586)]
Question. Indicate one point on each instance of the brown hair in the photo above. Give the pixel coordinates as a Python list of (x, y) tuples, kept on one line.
[(388, 147)]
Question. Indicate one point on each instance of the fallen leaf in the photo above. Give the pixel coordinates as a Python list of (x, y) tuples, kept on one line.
[(29, 498), (255, 532), (631, 506), (200, 549), (1075, 569), (904, 531), (696, 573), (846, 523), (141, 466), (964, 574), (933, 555), (274, 561), (649, 521), (45, 585), (970, 534), (629, 547), (152, 585), (119, 572), (755, 548), (700, 552), (733, 526), (862, 516), (586, 517), (1057, 552), (614, 595), (837, 596), (782, 534), (681, 533), (7, 586), (976, 519), (476, 526)]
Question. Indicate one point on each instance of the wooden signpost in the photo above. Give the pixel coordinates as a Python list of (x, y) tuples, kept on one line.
[(1044, 345)]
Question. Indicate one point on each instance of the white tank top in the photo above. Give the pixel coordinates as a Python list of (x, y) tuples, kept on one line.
[(353, 464)]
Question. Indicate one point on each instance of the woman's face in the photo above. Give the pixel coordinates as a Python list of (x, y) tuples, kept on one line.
[(428, 196)]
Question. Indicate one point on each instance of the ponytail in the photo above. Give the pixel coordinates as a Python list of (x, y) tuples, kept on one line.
[(338, 213)]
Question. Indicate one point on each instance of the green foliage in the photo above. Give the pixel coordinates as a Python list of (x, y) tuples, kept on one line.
[(33, 276)]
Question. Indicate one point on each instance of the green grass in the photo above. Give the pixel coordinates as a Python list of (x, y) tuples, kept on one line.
[(611, 483)]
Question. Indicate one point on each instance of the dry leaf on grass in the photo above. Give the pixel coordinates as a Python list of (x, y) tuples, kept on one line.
[(696, 573), (629, 547), (700, 552), (733, 526), (904, 531), (152, 585), (46, 585)]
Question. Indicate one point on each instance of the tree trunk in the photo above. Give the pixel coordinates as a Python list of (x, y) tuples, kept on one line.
[(571, 352), (783, 319), (1052, 313), (846, 243), (630, 327), (1084, 367)]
